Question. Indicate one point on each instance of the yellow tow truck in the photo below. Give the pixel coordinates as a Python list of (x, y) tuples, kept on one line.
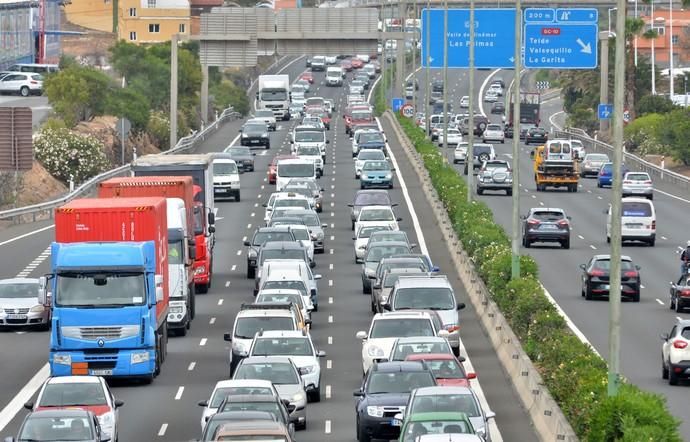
[(555, 165)]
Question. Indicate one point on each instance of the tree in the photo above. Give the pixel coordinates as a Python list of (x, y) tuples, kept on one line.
[(654, 104), (129, 103), (67, 155), (226, 94), (77, 93), (675, 135)]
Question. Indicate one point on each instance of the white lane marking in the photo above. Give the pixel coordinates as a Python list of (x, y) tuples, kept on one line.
[(330, 300), (191, 366), (332, 237), (212, 321), (234, 266), (329, 364), (541, 203), (178, 395), (220, 301), (678, 318), (330, 251), (592, 247), (17, 403), (664, 238), (330, 266), (227, 283), (553, 123), (163, 429), (332, 195), (244, 238), (253, 214), (599, 197), (33, 232), (327, 429), (239, 252), (332, 213), (333, 204), (249, 226), (330, 319), (641, 286), (203, 342), (332, 225), (660, 301), (330, 283), (328, 391), (330, 340), (257, 204), (580, 236)]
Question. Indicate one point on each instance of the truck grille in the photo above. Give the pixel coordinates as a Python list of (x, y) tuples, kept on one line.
[(105, 333)]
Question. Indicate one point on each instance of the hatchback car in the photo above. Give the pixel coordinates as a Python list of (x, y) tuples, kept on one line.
[(536, 135), (280, 409), (376, 173), (498, 108), (261, 237), (493, 132), (465, 102), (439, 423), (255, 134), (266, 115), (253, 430), (675, 352), (596, 282), (454, 137), (383, 285), (638, 184), (592, 162), (60, 425), (362, 236), (374, 254), (447, 369), (605, 176), (364, 198), (233, 417), (404, 347), (19, 304), (242, 156), (226, 388), (542, 224), (367, 155), (369, 215)]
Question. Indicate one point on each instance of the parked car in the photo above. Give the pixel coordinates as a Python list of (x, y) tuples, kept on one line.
[(22, 83)]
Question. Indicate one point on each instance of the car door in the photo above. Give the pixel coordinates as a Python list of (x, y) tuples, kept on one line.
[(666, 344), (585, 274), (11, 82)]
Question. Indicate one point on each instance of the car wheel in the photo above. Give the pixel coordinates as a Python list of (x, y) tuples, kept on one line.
[(509, 192), (362, 435), (373, 308), (480, 191), (651, 197), (588, 293), (608, 240), (268, 146), (251, 273), (651, 242), (672, 377), (528, 243), (24, 91), (182, 331), (636, 297), (314, 395), (672, 305), (664, 370), (237, 198), (678, 306), (566, 244), (599, 184)]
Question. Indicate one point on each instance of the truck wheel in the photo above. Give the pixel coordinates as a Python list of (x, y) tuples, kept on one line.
[(192, 301), (202, 288), (182, 331)]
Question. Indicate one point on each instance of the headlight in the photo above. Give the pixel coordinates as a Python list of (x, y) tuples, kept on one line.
[(365, 176), (37, 309), (375, 411), (308, 369), (375, 352), (107, 419), (319, 235), (389, 176), (297, 397), (175, 309), (265, 135), (384, 298), (244, 135), (199, 270), (62, 359), (239, 348), (313, 236), (252, 253), (140, 357), (450, 328)]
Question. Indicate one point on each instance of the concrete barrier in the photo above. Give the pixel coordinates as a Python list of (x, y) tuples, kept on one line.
[(548, 419)]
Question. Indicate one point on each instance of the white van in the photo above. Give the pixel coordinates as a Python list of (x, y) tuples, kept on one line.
[(638, 221), (334, 76), (226, 179), (294, 168)]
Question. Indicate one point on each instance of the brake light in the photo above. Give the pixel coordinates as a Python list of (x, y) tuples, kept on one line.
[(563, 223), (685, 293), (627, 182), (630, 274), (679, 344), (654, 224), (597, 272), (533, 222)]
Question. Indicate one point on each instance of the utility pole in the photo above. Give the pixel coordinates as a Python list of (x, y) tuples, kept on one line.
[(670, 49), (427, 98), (469, 159), (515, 243), (445, 76), (651, 18), (616, 209), (414, 57), (173, 90), (604, 80)]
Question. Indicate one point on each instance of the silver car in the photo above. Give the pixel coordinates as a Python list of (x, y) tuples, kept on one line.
[(19, 304), (638, 184), (592, 163)]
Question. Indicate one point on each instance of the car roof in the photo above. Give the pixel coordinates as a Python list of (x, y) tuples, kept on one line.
[(546, 209), (683, 322), (74, 380), (388, 244), (283, 334), (377, 207), (442, 389), (423, 281), (244, 383), (399, 366), (274, 229), (608, 257), (225, 160), (633, 199)]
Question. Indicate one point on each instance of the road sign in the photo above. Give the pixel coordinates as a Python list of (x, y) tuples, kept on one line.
[(494, 38), (568, 41), (542, 85), (626, 116), (605, 111), (407, 111), (397, 103)]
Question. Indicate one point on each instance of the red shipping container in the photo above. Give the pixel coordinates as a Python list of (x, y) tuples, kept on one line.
[(118, 219)]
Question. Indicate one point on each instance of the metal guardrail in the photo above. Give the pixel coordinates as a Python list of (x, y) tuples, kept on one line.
[(42, 211), (660, 176)]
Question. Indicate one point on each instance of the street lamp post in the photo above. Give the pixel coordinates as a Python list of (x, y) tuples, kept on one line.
[(611, 9), (651, 17), (635, 41), (670, 48)]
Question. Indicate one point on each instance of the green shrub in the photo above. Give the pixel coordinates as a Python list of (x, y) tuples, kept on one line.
[(575, 376), (66, 154)]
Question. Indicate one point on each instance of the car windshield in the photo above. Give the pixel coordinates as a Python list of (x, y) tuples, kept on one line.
[(401, 328), (414, 429), (370, 137), (247, 327), (365, 232), (239, 151), (309, 151), (372, 199), (175, 251), (309, 219), (100, 290), (309, 137), (282, 347), (376, 215), (402, 351), (261, 238), (597, 157), (447, 402), (291, 202), (252, 438), (635, 209), (414, 263), (72, 394), (273, 94), (282, 254), (301, 190), (72, 428), (398, 381), (221, 393), (224, 168), (605, 264), (389, 235), (300, 234), (254, 128), (361, 115), (292, 285), (377, 252), (430, 298), (264, 298), (263, 113), (295, 170), (19, 290), (390, 278), (548, 216), (269, 407), (376, 165), (637, 176), (370, 155), (280, 373)]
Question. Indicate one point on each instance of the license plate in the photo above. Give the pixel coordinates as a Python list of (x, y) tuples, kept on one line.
[(254, 141), (548, 227), (396, 422), (633, 226), (221, 190), (101, 372), (606, 287), (16, 316), (638, 191)]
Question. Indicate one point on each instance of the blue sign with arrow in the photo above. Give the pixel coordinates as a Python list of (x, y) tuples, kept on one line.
[(494, 38), (567, 42), (605, 111), (397, 104)]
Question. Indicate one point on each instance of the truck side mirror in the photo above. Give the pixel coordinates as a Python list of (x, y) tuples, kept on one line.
[(192, 251), (42, 294), (211, 218), (159, 294), (158, 280)]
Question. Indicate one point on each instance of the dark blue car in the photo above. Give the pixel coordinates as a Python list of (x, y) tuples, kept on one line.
[(384, 393), (605, 177)]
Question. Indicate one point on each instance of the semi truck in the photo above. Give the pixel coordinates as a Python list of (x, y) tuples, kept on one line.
[(108, 288), (555, 166), (179, 193), (530, 104), (274, 94), (200, 168)]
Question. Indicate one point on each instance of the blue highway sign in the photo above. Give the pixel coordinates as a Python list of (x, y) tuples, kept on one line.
[(539, 15), (494, 38), (605, 111), (577, 15), (397, 104)]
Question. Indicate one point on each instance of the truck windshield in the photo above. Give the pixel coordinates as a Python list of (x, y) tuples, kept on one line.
[(273, 95), (175, 252), (100, 289)]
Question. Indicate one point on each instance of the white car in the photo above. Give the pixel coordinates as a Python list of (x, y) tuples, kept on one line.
[(224, 389), (298, 346), (494, 132), (373, 215), (460, 154), (284, 200), (310, 152), (367, 155), (465, 102), (364, 58), (301, 233), (331, 59), (638, 184), (361, 239), (454, 137), (497, 89), (675, 352), (84, 392), (266, 115), (491, 96), (578, 149), (385, 328), (267, 296), (22, 83)]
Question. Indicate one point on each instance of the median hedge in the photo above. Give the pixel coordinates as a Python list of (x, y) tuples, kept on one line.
[(573, 373)]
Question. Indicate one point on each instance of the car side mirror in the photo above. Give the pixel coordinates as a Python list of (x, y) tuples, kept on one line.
[(398, 219), (350, 205), (29, 406), (461, 306), (583, 267), (292, 141), (361, 335), (247, 243), (239, 130), (386, 306), (664, 336), (358, 393), (211, 218), (264, 205), (490, 415), (320, 354), (118, 403), (211, 229), (312, 264), (253, 154), (227, 337), (307, 322), (637, 267), (392, 169), (317, 276), (435, 269), (328, 141), (443, 333), (324, 225), (413, 245)]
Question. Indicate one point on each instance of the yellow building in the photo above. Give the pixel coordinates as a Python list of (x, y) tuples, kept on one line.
[(139, 21)]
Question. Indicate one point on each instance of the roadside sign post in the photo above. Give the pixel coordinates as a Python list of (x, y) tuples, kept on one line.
[(407, 111), (605, 111), (515, 221), (397, 104)]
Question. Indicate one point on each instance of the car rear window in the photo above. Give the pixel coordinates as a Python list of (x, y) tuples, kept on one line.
[(548, 216), (685, 333), (637, 177), (642, 209), (481, 149), (605, 264)]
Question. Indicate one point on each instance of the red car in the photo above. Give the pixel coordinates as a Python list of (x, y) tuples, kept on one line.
[(447, 368), (307, 76), (346, 65), (357, 63), (273, 167), (319, 112), (357, 116)]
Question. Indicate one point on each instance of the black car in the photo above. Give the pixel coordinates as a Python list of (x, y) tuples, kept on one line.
[(261, 237), (543, 224), (508, 130), (414, 83), (308, 62), (595, 278), (255, 134), (60, 424), (435, 96), (280, 409), (437, 86), (384, 393), (537, 135), (680, 295), (498, 108), (244, 158)]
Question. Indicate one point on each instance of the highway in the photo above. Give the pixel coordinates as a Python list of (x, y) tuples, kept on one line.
[(559, 269), (167, 410)]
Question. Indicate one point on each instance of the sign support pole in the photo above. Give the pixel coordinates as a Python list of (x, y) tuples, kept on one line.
[(604, 81), (414, 57), (173, 90), (427, 109), (469, 159), (445, 75), (515, 242)]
